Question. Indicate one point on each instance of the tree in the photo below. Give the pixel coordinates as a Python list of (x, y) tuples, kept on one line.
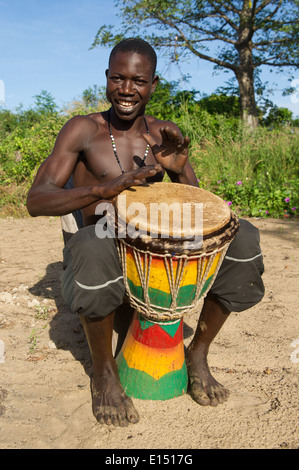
[(168, 100), (44, 103), (227, 105), (278, 116), (92, 96), (235, 35)]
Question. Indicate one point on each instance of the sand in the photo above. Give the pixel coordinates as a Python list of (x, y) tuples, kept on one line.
[(45, 364)]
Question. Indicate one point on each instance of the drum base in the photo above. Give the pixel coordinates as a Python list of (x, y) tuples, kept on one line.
[(151, 363)]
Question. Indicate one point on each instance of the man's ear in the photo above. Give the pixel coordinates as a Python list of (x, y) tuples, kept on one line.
[(106, 72), (155, 83)]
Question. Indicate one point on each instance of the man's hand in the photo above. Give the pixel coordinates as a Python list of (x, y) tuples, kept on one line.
[(172, 154), (130, 178)]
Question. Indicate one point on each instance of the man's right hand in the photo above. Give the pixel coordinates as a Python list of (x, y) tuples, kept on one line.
[(131, 178)]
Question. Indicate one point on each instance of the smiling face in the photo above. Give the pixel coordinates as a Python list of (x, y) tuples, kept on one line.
[(130, 83)]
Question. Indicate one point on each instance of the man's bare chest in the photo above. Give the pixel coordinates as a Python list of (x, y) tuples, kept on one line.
[(106, 158)]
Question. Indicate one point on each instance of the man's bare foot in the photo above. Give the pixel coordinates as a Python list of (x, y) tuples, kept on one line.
[(203, 388), (110, 405)]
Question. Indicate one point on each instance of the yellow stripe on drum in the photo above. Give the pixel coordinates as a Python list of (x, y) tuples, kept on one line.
[(155, 362), (158, 278), (214, 264)]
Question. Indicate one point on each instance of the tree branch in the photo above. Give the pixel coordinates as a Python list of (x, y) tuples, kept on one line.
[(189, 45)]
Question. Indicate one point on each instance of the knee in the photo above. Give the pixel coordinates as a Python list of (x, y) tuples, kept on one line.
[(246, 243)]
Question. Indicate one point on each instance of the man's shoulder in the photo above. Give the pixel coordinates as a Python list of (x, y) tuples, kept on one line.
[(85, 124)]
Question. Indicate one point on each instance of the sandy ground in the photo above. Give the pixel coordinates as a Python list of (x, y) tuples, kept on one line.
[(45, 363)]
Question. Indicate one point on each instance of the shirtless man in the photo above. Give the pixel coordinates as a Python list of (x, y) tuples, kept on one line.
[(105, 153)]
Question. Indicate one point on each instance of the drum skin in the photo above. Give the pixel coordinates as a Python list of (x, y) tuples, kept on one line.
[(218, 223)]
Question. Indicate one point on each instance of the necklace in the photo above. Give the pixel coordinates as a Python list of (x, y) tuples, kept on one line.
[(114, 146)]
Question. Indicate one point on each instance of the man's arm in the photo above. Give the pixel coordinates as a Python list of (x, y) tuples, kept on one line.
[(47, 195), (186, 177), (172, 154)]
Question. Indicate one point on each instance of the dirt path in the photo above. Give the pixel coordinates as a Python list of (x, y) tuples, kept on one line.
[(44, 381)]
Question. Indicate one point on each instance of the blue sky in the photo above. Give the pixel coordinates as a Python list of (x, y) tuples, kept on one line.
[(44, 45)]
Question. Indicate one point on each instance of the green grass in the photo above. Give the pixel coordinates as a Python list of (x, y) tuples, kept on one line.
[(256, 172)]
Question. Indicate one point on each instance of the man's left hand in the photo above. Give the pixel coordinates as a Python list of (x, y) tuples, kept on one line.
[(172, 154)]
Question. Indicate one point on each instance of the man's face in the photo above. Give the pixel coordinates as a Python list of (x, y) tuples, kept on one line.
[(130, 84)]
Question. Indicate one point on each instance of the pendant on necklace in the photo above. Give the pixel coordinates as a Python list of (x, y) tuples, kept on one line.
[(114, 146)]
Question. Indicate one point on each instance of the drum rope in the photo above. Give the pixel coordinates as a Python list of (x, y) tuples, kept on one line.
[(173, 312), (174, 281), (143, 273)]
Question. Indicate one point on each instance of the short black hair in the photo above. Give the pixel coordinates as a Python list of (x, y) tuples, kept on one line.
[(138, 46)]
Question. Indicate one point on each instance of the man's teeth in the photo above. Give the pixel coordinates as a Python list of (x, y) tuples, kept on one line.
[(126, 104)]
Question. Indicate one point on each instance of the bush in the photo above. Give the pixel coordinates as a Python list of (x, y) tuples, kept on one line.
[(255, 172), (24, 149)]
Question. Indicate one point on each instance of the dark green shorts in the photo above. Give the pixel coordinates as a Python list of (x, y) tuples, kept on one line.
[(93, 286), (239, 285), (92, 278)]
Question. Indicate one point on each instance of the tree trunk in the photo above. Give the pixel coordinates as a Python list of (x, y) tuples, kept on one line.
[(247, 99), (245, 69)]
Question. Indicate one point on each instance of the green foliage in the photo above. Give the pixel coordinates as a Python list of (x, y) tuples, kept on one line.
[(24, 149), (93, 101), (259, 198), (94, 96), (44, 103), (168, 99), (221, 103), (247, 35), (198, 119), (255, 172), (278, 116), (8, 122)]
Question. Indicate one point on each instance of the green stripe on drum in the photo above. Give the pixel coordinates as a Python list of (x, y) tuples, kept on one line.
[(206, 285), (159, 298), (141, 385), (170, 329)]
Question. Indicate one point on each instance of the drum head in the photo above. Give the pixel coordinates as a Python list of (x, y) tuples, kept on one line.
[(167, 214)]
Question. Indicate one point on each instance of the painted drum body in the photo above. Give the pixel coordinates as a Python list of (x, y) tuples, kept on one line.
[(170, 252)]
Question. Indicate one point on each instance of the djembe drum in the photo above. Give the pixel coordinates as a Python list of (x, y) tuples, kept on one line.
[(170, 255)]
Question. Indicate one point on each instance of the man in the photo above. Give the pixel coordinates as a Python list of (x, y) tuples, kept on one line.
[(107, 153)]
